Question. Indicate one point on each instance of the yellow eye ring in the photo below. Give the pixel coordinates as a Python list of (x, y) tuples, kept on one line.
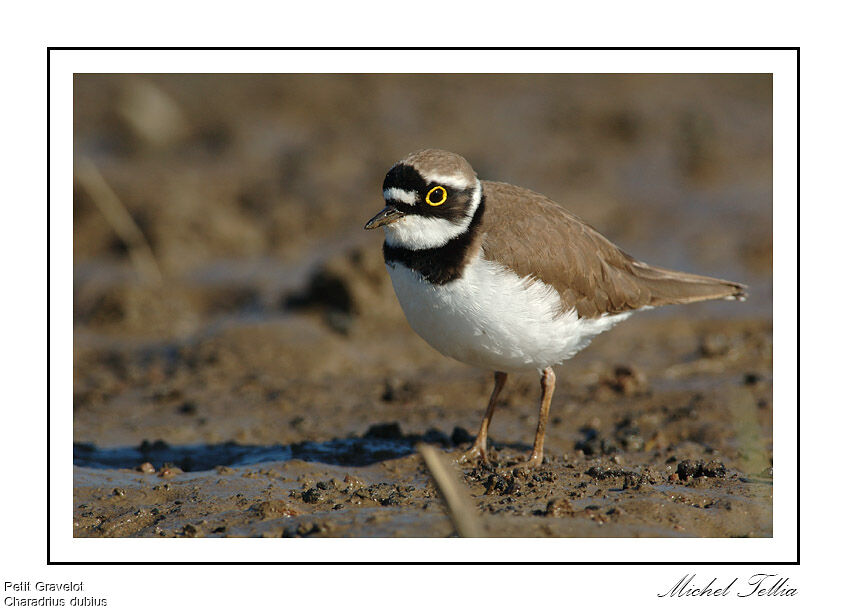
[(434, 191)]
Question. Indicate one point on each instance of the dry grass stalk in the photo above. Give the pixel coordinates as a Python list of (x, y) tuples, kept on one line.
[(116, 214), (460, 507)]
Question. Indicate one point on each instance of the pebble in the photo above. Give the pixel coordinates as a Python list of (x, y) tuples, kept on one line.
[(312, 496), (559, 507), (192, 531), (146, 468), (169, 472)]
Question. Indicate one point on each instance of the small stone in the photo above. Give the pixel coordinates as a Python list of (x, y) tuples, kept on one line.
[(192, 531), (312, 496), (495, 483), (639, 482), (604, 473), (559, 507), (274, 509), (714, 469), (693, 469), (169, 472), (514, 488), (146, 468), (688, 468), (352, 482)]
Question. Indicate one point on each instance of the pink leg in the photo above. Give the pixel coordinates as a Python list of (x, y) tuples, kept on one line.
[(480, 445), (548, 384)]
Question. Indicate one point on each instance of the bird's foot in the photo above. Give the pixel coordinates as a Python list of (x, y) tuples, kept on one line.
[(534, 462), (475, 454)]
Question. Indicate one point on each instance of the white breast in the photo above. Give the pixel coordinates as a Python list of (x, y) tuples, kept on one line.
[(492, 318)]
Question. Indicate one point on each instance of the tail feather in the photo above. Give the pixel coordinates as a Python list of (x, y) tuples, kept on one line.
[(672, 287)]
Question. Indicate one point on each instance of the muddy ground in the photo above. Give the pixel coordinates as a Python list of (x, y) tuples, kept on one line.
[(260, 379)]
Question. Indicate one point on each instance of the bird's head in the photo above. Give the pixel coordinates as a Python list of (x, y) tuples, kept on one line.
[(431, 197)]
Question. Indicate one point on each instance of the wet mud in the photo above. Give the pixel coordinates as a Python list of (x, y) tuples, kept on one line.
[(267, 385)]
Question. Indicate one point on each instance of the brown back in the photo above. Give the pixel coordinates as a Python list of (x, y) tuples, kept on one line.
[(533, 236)]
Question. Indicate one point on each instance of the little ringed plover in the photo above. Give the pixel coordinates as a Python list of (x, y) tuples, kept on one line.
[(503, 278)]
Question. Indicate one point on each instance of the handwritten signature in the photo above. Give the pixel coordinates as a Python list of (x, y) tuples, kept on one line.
[(759, 585)]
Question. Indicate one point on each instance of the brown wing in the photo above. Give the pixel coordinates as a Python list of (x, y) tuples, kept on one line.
[(533, 236)]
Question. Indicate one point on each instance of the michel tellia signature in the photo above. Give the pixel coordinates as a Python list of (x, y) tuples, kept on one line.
[(758, 585)]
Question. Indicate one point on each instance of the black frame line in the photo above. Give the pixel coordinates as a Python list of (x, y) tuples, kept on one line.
[(624, 563), (423, 49)]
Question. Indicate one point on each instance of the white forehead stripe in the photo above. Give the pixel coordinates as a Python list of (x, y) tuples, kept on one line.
[(401, 195), (456, 181)]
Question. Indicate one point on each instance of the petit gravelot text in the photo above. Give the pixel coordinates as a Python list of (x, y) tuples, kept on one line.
[(47, 594)]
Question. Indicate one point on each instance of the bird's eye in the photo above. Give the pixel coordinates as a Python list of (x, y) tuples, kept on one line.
[(436, 196)]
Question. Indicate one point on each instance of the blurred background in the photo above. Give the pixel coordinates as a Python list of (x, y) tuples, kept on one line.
[(245, 180), (209, 203), (225, 291)]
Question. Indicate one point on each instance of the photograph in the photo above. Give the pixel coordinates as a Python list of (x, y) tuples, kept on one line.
[(423, 305)]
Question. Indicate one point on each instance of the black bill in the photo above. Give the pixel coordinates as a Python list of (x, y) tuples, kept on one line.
[(387, 215)]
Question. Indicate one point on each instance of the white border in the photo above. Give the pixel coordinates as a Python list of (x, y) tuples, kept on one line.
[(782, 547)]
